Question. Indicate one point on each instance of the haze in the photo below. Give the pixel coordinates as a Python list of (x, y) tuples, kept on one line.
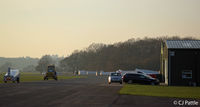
[(37, 27)]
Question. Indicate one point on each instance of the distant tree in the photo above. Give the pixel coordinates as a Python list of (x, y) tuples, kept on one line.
[(94, 47), (64, 67), (20, 62), (134, 53), (4, 67), (44, 62), (29, 68)]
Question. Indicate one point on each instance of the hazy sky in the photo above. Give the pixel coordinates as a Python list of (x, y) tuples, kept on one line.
[(37, 27)]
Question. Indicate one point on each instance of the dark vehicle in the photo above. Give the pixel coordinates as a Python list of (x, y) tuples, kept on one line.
[(51, 73), (139, 78)]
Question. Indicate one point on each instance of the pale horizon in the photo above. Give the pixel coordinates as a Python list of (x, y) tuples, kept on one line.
[(39, 27)]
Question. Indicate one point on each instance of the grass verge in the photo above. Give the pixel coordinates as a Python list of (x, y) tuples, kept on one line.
[(161, 91), (31, 77)]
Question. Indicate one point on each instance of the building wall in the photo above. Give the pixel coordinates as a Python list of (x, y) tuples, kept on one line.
[(177, 63), (198, 69), (164, 63), (182, 63)]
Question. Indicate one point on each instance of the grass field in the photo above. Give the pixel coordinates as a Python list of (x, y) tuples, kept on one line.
[(35, 76), (161, 91)]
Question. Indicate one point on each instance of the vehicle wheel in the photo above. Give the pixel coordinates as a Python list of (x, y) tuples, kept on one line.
[(5, 81), (152, 83), (44, 78), (130, 81), (18, 80)]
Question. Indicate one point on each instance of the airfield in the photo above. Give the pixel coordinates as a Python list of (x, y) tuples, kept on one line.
[(81, 92)]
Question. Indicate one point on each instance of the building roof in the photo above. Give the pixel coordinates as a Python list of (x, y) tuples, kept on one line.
[(183, 44)]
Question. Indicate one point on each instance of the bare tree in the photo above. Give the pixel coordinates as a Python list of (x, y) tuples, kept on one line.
[(44, 62), (133, 53), (4, 67)]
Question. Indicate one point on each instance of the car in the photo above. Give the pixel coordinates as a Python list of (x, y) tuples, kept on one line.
[(139, 78), (153, 74), (51, 73), (12, 75), (115, 77)]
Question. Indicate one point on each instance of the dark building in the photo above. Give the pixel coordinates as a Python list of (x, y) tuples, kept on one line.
[(180, 62)]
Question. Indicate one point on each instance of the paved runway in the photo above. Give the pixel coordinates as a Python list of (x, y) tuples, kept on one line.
[(83, 92)]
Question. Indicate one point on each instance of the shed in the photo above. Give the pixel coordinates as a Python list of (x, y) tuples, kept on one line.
[(180, 62)]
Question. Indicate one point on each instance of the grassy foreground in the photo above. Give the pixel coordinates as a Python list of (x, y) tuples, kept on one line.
[(161, 91), (31, 77)]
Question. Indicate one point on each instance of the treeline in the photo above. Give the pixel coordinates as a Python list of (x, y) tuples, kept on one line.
[(47, 60), (28, 64), (17, 63), (133, 53)]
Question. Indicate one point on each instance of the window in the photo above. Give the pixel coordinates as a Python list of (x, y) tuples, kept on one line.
[(187, 74), (142, 77), (172, 53), (115, 74)]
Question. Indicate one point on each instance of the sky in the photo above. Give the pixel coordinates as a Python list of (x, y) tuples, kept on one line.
[(38, 27)]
